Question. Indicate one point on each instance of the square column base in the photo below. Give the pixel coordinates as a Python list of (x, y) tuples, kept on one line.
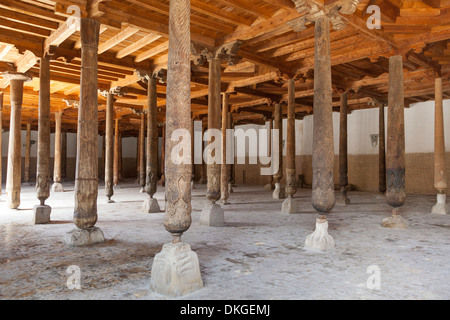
[(395, 222), (440, 207), (80, 238), (290, 206), (176, 271), (41, 214), (151, 206), (212, 216)]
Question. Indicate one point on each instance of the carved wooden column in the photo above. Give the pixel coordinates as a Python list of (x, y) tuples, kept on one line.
[(323, 198), (42, 211), (193, 154), (269, 185), (109, 148), (231, 169), (120, 156), (290, 205), (26, 179), (57, 186), (440, 181), (395, 158), (224, 178), (204, 171), (1, 135), (13, 175), (163, 157), (381, 150), (212, 214), (278, 193), (86, 178), (166, 277), (116, 154), (151, 204), (64, 156), (142, 154), (343, 154)]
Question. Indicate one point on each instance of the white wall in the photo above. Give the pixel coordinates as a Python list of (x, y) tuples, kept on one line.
[(419, 129)]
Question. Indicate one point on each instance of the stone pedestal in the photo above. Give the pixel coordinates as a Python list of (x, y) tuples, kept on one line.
[(290, 206), (151, 206), (57, 187), (320, 239), (80, 237), (41, 214), (212, 216), (176, 271), (278, 193), (395, 221), (343, 200), (230, 188), (440, 207)]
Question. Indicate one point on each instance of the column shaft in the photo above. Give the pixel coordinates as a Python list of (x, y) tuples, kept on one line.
[(116, 154), (43, 153), (343, 152), (178, 116), (109, 147), (152, 139), (382, 150), (395, 158), (291, 187), (1, 135), (440, 182), (13, 177), (142, 153), (278, 125), (323, 198), (224, 179), (26, 178), (86, 184), (57, 159), (214, 122)]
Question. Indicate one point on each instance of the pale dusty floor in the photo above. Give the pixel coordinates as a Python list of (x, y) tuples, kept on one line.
[(258, 255)]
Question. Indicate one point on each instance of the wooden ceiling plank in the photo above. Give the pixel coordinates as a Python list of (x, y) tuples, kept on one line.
[(152, 52), (118, 38)]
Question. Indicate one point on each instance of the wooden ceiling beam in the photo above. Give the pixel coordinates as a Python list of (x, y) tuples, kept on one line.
[(118, 38)]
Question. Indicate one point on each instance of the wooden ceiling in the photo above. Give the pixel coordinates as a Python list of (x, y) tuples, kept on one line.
[(134, 36)]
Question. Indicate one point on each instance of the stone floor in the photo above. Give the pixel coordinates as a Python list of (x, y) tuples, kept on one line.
[(259, 254)]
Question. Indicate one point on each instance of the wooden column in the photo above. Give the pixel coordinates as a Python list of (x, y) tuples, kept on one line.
[(142, 154), (231, 169), (151, 205), (138, 158), (204, 167), (86, 179), (120, 156), (343, 155), (269, 185), (109, 148), (116, 154), (57, 186), (13, 175), (395, 158), (381, 150), (64, 156), (1, 138), (224, 179), (43, 152), (278, 193), (323, 198), (177, 219), (440, 181), (26, 179), (163, 157), (214, 122), (291, 187)]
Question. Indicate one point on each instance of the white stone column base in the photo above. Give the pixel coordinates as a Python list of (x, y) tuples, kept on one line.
[(278, 193), (440, 207), (212, 216), (176, 271), (395, 222), (230, 188), (80, 238), (151, 206), (57, 187), (320, 239), (41, 214), (290, 206)]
